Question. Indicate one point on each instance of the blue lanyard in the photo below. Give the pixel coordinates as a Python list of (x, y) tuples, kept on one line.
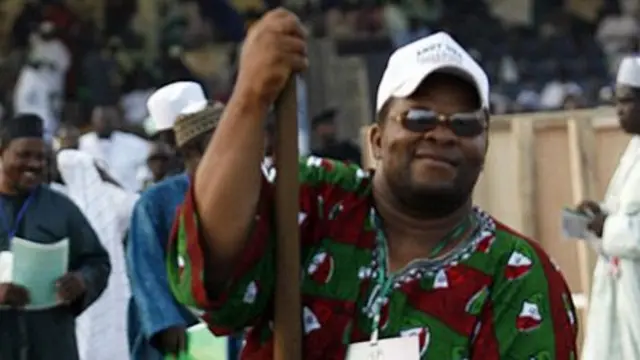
[(11, 231)]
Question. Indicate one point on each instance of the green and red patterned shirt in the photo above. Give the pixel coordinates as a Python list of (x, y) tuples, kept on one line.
[(496, 295)]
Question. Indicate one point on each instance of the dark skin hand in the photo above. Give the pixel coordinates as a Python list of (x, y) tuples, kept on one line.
[(171, 341), (597, 224), (13, 295), (589, 207), (70, 287)]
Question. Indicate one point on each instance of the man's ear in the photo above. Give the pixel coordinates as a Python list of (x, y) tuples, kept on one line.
[(375, 141)]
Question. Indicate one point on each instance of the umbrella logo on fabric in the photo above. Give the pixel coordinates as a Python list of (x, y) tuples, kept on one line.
[(310, 320), (485, 244), (441, 281), (529, 317), (424, 337), (518, 266), (321, 267)]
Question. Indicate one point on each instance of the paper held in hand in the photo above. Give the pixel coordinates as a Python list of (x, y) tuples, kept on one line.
[(575, 225), (37, 267), (203, 345), (405, 348)]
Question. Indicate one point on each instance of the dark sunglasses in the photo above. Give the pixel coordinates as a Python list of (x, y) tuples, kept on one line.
[(462, 124)]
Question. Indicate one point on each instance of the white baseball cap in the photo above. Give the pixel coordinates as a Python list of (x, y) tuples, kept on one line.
[(194, 107), (629, 71), (409, 65), (169, 101)]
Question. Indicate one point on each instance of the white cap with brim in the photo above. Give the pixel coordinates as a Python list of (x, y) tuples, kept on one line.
[(411, 64), (168, 102), (629, 72)]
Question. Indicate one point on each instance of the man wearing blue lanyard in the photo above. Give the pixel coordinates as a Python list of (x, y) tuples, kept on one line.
[(35, 213)]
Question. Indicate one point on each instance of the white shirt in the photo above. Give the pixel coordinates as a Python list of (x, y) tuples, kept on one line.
[(34, 93), (123, 155)]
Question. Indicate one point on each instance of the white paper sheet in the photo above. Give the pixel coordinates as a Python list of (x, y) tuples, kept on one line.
[(203, 345), (6, 266), (36, 267), (405, 348), (575, 225)]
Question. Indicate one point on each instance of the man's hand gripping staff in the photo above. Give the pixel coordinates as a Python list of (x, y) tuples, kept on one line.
[(275, 48)]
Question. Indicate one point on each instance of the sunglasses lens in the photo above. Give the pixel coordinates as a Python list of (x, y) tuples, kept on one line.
[(463, 125), (467, 125), (418, 120)]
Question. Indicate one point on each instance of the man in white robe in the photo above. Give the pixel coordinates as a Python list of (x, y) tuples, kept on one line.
[(40, 85), (33, 94), (102, 329), (47, 47), (613, 323), (122, 154)]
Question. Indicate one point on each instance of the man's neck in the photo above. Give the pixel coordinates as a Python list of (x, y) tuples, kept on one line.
[(410, 236), (106, 135), (6, 188)]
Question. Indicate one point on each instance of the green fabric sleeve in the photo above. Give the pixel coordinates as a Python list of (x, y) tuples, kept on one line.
[(251, 288), (530, 314)]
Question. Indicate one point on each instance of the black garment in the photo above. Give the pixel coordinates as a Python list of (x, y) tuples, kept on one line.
[(99, 74), (25, 23), (50, 334)]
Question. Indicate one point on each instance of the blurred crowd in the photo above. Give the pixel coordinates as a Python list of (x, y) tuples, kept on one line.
[(61, 62)]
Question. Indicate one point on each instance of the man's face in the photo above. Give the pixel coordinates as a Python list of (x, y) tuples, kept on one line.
[(421, 165), (24, 162), (628, 108), (159, 160), (166, 136)]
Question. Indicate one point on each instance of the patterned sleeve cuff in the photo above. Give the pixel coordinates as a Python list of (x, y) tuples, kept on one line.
[(190, 252)]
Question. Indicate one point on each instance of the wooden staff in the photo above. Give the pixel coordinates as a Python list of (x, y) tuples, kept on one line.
[(287, 335)]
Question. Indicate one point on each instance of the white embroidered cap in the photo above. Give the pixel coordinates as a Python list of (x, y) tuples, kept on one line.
[(409, 65), (169, 101), (629, 71)]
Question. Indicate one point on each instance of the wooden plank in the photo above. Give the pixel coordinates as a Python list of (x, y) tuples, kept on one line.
[(523, 141), (582, 161), (287, 334)]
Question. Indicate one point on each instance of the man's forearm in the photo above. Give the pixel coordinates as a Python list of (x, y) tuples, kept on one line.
[(228, 180)]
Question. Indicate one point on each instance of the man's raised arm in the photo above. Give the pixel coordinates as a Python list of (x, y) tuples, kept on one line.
[(228, 181)]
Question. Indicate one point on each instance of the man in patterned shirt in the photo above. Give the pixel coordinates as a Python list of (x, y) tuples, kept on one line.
[(400, 257)]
